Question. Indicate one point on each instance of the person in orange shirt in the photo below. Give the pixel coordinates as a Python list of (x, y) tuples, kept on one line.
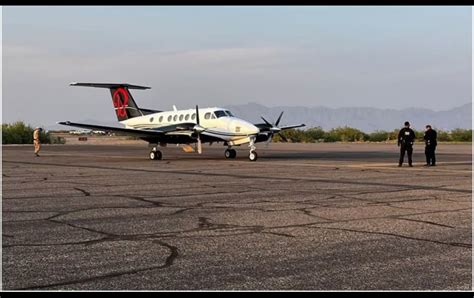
[(36, 140)]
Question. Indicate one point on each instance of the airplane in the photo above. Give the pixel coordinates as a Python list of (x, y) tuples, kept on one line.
[(185, 127)]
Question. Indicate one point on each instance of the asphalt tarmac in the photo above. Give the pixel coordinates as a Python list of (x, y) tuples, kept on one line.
[(302, 217)]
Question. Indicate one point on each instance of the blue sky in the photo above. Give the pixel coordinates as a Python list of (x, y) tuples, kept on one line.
[(385, 57)]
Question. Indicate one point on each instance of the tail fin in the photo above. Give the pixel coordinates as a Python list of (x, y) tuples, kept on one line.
[(125, 106)]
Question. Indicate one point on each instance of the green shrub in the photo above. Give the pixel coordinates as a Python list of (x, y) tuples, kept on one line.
[(443, 136), (461, 135), (292, 135), (379, 136), (349, 134), (314, 134), (20, 133)]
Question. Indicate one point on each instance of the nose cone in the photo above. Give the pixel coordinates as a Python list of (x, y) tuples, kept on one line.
[(244, 127), (253, 129), (249, 128)]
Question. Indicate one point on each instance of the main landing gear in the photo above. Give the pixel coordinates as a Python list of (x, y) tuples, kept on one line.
[(230, 153), (155, 154)]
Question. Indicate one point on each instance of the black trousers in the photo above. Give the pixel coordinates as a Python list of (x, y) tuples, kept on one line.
[(409, 149), (430, 154)]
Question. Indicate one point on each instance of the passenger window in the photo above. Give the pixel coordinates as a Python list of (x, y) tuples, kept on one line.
[(207, 116), (181, 117), (169, 118), (193, 116), (186, 117), (161, 119), (175, 118), (151, 119)]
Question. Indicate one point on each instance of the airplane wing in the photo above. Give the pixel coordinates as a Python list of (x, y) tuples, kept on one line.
[(265, 127), (142, 132), (292, 126), (129, 131), (182, 132)]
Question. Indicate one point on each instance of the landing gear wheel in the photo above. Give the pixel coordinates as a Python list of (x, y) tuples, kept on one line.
[(230, 153), (253, 156), (155, 154)]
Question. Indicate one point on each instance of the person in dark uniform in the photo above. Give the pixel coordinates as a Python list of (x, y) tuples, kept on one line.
[(406, 139), (430, 142)]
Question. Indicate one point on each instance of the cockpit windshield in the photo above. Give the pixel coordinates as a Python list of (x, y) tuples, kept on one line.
[(222, 113)]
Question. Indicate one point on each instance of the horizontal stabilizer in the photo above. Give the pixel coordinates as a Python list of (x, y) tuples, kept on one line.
[(108, 85)]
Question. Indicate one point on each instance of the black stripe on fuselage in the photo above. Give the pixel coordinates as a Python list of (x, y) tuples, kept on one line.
[(147, 126)]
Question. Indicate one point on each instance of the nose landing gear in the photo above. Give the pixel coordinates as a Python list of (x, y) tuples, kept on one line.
[(252, 154)]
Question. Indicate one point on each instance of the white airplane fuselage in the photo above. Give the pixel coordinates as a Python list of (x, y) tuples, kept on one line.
[(182, 126), (217, 122)]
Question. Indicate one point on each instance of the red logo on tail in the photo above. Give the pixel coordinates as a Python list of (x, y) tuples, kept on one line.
[(120, 99)]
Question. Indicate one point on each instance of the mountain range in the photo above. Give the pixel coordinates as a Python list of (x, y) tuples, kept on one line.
[(364, 118)]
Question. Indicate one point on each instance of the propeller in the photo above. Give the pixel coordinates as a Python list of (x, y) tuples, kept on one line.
[(198, 129), (274, 129)]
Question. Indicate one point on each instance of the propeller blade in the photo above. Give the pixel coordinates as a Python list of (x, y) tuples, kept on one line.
[(270, 137), (279, 118), (266, 122), (199, 145), (197, 115), (283, 138)]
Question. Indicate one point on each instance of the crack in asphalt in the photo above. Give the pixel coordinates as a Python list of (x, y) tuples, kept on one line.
[(427, 222), (463, 245), (86, 193), (174, 253)]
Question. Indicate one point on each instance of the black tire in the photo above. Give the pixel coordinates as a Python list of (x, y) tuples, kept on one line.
[(155, 155), (159, 156), (253, 156), (230, 153)]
